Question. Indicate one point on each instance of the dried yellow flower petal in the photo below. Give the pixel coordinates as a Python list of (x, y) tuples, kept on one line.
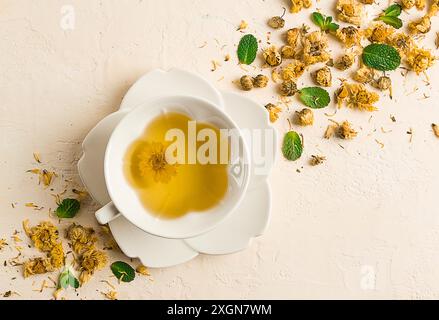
[(243, 25), (36, 266), (110, 295), (143, 270), (288, 52), (317, 160), (273, 112), (330, 131), (3, 244), (435, 128)]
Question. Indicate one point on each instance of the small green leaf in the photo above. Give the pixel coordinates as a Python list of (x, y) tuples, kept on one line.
[(68, 208), (318, 19), (292, 146), (123, 271), (325, 23), (63, 281), (381, 57), (393, 11), (333, 27), (247, 49), (392, 21), (73, 282), (66, 279), (314, 97)]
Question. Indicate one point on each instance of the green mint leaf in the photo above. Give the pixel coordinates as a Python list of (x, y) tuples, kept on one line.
[(318, 19), (247, 49), (63, 280), (68, 208), (292, 146), (393, 11), (328, 20), (333, 27), (392, 21), (381, 57), (123, 271), (314, 97), (73, 282)]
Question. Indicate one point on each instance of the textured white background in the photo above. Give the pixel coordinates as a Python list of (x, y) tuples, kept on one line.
[(363, 225)]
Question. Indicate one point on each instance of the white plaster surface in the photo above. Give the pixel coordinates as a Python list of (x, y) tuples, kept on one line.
[(363, 225)]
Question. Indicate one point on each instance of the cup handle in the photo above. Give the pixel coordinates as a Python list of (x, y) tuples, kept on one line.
[(107, 213)]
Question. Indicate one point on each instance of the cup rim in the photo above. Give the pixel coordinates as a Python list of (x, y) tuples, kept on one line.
[(150, 229)]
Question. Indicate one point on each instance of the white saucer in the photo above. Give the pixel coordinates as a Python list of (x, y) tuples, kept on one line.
[(248, 221)]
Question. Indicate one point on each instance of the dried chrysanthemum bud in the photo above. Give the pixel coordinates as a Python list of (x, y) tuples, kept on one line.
[(293, 70), (435, 128), (345, 131), (383, 83), (246, 83), (364, 74), (323, 77), (408, 4), (293, 35), (273, 111), (288, 52), (422, 25), (297, 5), (277, 22), (345, 62), (401, 41), (305, 117), (379, 33), (272, 56), (356, 96), (288, 88), (317, 160), (349, 36), (349, 11), (315, 46), (260, 81), (330, 131), (419, 60)]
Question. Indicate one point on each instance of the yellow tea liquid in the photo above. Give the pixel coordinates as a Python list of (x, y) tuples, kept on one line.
[(170, 191)]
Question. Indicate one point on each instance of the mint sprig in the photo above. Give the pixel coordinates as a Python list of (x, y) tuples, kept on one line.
[(390, 16), (247, 49), (292, 147), (324, 22), (381, 57), (314, 97)]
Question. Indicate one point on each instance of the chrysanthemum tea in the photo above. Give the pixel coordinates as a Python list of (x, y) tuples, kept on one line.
[(171, 189)]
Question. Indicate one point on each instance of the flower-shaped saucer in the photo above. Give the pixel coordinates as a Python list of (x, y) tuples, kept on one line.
[(248, 221)]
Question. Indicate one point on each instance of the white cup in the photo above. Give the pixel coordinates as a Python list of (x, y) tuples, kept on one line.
[(125, 200)]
